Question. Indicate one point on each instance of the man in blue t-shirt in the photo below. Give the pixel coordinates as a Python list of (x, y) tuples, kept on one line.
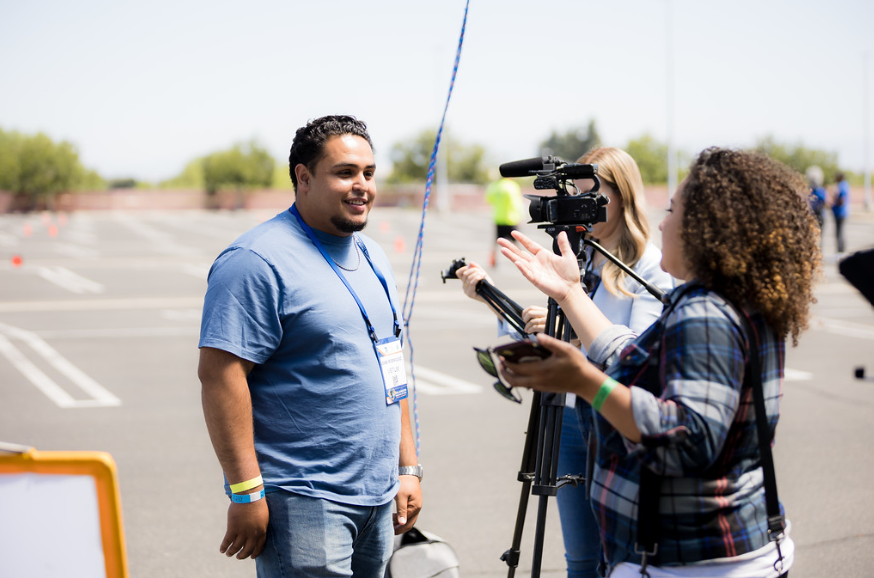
[(840, 209), (303, 375)]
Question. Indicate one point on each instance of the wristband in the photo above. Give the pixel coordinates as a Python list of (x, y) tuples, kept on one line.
[(603, 393), (247, 485), (247, 498)]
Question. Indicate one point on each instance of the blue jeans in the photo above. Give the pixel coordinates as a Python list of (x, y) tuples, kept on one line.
[(316, 537), (582, 542)]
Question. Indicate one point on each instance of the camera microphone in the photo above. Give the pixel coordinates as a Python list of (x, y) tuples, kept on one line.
[(526, 167), (529, 167)]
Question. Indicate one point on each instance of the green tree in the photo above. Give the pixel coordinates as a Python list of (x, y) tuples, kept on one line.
[(92, 181), (10, 143), (281, 178), (36, 169), (410, 160), (799, 157), (572, 144), (191, 177), (651, 157), (241, 166)]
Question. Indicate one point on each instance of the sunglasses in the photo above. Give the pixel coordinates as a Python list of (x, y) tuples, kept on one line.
[(488, 360)]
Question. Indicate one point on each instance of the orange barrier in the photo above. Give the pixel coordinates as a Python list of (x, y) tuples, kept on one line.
[(98, 465)]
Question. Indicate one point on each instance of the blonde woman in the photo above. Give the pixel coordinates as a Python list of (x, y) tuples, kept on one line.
[(624, 302)]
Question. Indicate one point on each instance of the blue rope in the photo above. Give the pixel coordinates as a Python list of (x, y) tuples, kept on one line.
[(417, 253)]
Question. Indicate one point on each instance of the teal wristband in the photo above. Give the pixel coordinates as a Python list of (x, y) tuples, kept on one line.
[(247, 498), (603, 393)]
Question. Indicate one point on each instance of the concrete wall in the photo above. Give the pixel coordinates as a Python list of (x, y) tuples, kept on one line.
[(462, 197)]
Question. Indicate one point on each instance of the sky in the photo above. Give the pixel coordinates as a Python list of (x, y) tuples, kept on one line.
[(142, 88)]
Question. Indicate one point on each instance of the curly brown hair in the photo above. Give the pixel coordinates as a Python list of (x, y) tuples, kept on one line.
[(749, 235)]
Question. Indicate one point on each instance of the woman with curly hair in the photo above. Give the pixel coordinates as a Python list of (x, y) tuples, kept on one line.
[(676, 402)]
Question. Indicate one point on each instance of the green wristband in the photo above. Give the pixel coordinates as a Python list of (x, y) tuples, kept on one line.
[(603, 393)]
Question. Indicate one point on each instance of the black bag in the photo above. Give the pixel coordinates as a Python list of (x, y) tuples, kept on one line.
[(419, 554)]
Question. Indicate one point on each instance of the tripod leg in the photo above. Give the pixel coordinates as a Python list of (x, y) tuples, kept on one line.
[(511, 556), (548, 444), (540, 457), (538, 537)]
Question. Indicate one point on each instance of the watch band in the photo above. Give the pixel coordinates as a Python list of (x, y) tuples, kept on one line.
[(417, 471)]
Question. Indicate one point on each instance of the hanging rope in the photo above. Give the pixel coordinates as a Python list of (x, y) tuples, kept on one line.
[(410, 298)]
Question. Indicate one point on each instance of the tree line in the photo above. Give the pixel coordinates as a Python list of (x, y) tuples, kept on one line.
[(35, 168)]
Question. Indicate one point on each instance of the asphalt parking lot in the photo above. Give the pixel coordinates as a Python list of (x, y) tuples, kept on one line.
[(117, 296)]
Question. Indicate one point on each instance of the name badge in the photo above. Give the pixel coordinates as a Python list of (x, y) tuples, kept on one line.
[(394, 373)]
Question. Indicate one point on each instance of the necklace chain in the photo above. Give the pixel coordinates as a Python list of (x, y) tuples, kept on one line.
[(355, 268)]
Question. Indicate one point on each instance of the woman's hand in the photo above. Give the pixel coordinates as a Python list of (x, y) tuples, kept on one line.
[(565, 371), (556, 275), (470, 276), (534, 318)]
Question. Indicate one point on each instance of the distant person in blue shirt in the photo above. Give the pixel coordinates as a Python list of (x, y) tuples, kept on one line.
[(840, 209), (303, 375), (817, 196)]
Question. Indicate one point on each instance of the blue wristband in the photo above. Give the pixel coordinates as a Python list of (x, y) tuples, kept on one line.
[(246, 498)]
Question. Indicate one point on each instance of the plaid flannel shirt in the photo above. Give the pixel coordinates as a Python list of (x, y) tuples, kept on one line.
[(698, 432)]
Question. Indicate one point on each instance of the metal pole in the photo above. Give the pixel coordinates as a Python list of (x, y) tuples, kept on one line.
[(866, 162), (669, 82)]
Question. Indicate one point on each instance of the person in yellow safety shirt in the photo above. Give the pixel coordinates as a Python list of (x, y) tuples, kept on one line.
[(505, 197)]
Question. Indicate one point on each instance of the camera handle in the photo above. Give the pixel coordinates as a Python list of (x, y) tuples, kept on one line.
[(503, 305), (652, 289)]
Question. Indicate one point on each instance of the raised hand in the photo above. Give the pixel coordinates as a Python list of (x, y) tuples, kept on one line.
[(556, 275)]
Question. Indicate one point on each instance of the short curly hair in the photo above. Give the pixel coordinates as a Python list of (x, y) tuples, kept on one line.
[(308, 146), (748, 234)]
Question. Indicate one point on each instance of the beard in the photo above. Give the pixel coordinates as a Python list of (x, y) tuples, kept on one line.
[(347, 226)]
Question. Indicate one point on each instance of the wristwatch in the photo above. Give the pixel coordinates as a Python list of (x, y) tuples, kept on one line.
[(417, 471)]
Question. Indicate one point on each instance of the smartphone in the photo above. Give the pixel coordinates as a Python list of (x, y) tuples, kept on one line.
[(522, 351)]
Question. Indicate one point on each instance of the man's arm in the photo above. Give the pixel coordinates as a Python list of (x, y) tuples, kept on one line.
[(409, 498), (227, 409)]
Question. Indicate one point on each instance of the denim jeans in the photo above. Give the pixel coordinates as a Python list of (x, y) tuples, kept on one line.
[(315, 537), (839, 234), (582, 542)]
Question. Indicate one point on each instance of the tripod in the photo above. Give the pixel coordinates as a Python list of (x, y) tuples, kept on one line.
[(539, 468)]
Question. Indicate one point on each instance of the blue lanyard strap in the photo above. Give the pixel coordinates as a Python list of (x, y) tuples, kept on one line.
[(370, 329)]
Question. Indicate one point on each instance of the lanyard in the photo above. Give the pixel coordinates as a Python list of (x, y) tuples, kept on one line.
[(370, 329)]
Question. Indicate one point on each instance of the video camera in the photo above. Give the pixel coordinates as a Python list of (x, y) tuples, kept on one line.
[(565, 208)]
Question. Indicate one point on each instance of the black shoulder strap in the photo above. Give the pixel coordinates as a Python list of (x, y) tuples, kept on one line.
[(650, 482), (776, 522)]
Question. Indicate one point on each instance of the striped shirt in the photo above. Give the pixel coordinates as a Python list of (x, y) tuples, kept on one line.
[(698, 432)]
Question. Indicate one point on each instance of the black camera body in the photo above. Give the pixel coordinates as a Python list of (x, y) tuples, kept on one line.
[(563, 208), (585, 209)]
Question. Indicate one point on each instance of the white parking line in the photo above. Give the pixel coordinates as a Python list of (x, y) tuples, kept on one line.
[(77, 251), (102, 304), (100, 396), (161, 241), (436, 383), (70, 281), (200, 271), (844, 328), (42, 381), (796, 375)]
